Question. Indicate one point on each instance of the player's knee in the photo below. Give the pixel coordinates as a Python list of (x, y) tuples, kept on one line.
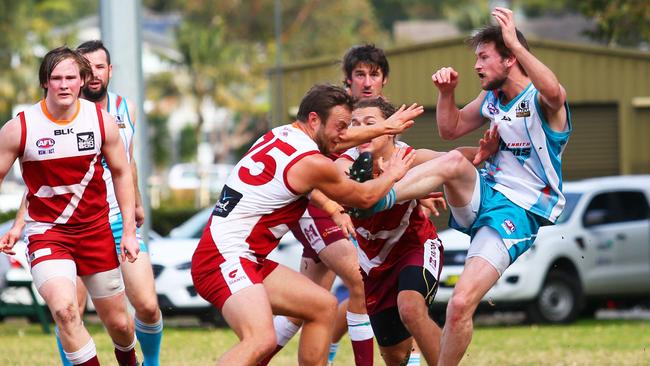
[(459, 308), (148, 311), (261, 343), (66, 315), (120, 324), (411, 314), (456, 163), (327, 306)]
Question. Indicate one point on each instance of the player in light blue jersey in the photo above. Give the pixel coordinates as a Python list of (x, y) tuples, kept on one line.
[(520, 189)]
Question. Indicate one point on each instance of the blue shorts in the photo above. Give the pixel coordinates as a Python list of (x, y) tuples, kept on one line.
[(116, 227), (517, 226)]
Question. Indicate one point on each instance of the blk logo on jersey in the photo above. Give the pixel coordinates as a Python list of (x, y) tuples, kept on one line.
[(119, 118), (523, 109), (85, 141), (227, 202)]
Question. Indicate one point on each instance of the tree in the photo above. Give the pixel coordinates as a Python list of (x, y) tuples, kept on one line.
[(618, 22)]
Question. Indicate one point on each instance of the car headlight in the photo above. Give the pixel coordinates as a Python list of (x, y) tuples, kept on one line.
[(184, 266)]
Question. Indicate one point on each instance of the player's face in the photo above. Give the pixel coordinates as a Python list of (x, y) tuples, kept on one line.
[(366, 81), (64, 84), (368, 117), (330, 131), (95, 89), (490, 66)]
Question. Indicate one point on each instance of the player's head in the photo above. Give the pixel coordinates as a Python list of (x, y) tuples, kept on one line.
[(365, 68), (100, 61), (326, 109), (62, 74), (494, 61), (370, 111)]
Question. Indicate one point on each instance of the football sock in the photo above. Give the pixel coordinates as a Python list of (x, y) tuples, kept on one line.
[(150, 338), (125, 356), (385, 203), (334, 347), (284, 331), (414, 359), (86, 355), (361, 336)]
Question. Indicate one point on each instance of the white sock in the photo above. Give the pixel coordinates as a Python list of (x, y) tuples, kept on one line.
[(126, 348), (284, 329), (83, 354), (359, 326)]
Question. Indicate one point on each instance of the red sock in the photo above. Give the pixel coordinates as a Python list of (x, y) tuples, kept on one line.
[(363, 352), (268, 358), (126, 358), (92, 362)]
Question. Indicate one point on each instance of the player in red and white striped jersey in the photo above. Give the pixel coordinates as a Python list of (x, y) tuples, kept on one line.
[(60, 142), (264, 195)]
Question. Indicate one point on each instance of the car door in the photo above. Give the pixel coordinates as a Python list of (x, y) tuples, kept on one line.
[(617, 249)]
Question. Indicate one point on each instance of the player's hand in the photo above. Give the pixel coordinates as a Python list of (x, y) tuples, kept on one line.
[(344, 221), (506, 20), (129, 248), (431, 204), (487, 146), (139, 215), (402, 119), (9, 239), (445, 79), (400, 162)]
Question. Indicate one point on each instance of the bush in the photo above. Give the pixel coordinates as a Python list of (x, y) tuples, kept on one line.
[(165, 219), (8, 215)]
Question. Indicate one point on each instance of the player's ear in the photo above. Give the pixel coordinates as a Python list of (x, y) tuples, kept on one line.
[(313, 120)]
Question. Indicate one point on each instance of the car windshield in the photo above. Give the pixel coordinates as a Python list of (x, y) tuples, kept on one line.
[(193, 227), (571, 202)]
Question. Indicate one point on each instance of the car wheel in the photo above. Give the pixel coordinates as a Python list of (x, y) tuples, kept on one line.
[(559, 300)]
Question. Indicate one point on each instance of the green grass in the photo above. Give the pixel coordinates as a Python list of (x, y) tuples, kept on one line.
[(601, 342)]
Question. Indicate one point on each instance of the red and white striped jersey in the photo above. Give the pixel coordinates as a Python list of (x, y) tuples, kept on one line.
[(386, 236), (257, 203), (61, 164)]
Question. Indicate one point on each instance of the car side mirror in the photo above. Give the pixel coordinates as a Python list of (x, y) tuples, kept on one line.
[(595, 217)]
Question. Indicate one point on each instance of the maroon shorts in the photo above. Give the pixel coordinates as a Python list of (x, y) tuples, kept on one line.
[(315, 230), (383, 283), (92, 250), (216, 279)]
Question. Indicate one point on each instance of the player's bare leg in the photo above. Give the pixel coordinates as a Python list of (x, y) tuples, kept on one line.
[(60, 295), (248, 313), (114, 315), (141, 292), (414, 313), (341, 256), (475, 281), (292, 294), (397, 355)]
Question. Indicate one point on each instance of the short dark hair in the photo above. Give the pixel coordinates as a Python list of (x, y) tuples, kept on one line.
[(364, 54), (92, 46), (492, 34), (55, 56), (384, 106), (321, 98)]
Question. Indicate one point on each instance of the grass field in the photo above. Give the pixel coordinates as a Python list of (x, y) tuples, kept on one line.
[(592, 342)]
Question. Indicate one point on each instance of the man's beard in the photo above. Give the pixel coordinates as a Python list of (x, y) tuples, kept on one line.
[(94, 96), (495, 84), (321, 142)]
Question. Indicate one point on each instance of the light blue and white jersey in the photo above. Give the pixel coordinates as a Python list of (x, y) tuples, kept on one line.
[(117, 107), (527, 169)]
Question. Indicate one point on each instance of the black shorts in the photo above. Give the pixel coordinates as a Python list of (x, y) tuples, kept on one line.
[(387, 324)]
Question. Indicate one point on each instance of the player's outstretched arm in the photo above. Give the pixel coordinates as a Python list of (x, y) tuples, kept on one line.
[(318, 172), (552, 94), (113, 150), (394, 125), (452, 121)]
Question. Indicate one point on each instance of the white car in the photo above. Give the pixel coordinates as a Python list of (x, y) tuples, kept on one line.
[(598, 250), (172, 261)]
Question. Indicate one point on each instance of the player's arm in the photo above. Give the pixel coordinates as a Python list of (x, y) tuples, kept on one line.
[(393, 125), (318, 172), (115, 154), (139, 208), (10, 137), (452, 121), (336, 211), (552, 95)]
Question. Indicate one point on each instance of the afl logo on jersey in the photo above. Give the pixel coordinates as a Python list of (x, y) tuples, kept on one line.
[(119, 118), (45, 143)]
